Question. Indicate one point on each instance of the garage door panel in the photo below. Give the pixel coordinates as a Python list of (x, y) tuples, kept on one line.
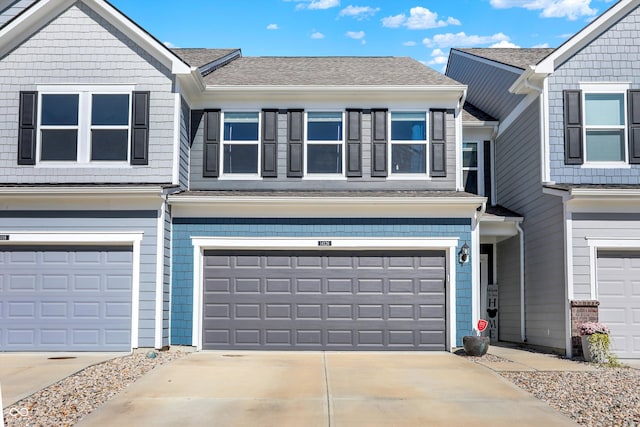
[(66, 298), (619, 296), (342, 301)]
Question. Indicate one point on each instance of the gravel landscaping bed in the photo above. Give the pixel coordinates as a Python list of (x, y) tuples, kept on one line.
[(607, 397), (69, 400)]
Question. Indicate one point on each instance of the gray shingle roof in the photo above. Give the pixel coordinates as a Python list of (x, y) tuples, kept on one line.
[(516, 57), (471, 113), (346, 193), (332, 71), (198, 57)]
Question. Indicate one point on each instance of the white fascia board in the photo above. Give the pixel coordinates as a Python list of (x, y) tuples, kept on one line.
[(56, 191), (490, 125), (606, 192), (586, 36), (310, 207)]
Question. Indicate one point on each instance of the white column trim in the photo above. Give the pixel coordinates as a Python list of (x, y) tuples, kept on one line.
[(176, 137), (159, 276)]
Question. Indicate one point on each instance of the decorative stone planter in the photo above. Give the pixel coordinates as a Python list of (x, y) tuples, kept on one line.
[(475, 346), (586, 348)]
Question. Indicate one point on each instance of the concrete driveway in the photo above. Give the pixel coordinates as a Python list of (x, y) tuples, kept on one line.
[(323, 389), (22, 374)]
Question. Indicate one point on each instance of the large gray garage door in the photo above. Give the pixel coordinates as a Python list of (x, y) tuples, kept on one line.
[(65, 299), (619, 296), (324, 300)]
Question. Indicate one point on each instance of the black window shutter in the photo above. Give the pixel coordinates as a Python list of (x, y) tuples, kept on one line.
[(295, 144), (28, 119), (270, 143), (140, 129), (211, 146), (354, 143), (634, 126), (379, 143), (573, 127), (438, 143)]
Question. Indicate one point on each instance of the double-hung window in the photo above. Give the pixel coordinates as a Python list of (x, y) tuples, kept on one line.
[(324, 143), (605, 124), (470, 167), (84, 127), (408, 143), (241, 143)]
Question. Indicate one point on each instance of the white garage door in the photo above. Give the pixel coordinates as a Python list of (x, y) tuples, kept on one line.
[(65, 298), (619, 296)]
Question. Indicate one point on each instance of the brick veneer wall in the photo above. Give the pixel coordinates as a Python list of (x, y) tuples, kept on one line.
[(581, 311)]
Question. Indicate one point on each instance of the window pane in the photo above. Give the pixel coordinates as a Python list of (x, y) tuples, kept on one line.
[(604, 109), (605, 146), (324, 158), (324, 127), (470, 155), (241, 126), (409, 158), (240, 158), (59, 145), (109, 145), (470, 181), (110, 110), (61, 110), (408, 127)]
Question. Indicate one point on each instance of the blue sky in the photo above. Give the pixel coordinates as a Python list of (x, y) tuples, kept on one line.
[(422, 29)]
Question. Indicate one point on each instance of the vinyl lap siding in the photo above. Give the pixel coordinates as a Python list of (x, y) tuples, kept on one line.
[(597, 226), (185, 129), (100, 221), (488, 86), (197, 182), (612, 57), (519, 188), (166, 284), (80, 47)]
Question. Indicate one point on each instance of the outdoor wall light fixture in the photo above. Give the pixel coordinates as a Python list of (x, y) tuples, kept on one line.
[(463, 255)]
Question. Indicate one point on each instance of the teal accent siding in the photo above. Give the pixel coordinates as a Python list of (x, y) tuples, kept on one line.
[(186, 228)]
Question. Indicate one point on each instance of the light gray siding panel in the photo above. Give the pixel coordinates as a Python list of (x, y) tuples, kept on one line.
[(519, 188), (597, 226), (488, 85), (80, 47), (185, 129), (282, 182), (509, 290), (612, 57), (9, 9), (112, 221)]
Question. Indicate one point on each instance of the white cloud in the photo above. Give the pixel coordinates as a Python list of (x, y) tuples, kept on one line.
[(273, 27), (409, 43), (420, 18), (359, 12), (356, 35), (543, 45), (504, 44), (462, 39), (570, 9), (323, 4), (170, 45), (317, 35), (437, 52)]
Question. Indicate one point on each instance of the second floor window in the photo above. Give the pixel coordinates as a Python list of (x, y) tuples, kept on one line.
[(324, 143), (409, 143), (604, 118), (84, 127), (241, 143), (470, 167)]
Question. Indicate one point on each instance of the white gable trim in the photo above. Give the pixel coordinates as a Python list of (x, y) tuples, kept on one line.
[(33, 18), (586, 35)]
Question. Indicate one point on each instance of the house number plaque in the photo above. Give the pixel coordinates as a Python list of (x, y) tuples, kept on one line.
[(324, 243), (4, 237)]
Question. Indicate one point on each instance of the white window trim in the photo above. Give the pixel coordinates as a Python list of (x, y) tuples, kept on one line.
[(324, 176), (133, 238), (240, 176), (449, 245), (605, 244), (408, 176), (605, 88), (84, 127)]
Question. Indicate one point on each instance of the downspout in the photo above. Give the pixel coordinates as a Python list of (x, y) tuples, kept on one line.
[(523, 324)]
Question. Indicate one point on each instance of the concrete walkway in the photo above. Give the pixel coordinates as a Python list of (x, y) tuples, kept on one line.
[(323, 389), (523, 360), (22, 374)]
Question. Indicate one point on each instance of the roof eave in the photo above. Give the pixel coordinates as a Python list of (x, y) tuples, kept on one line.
[(336, 88)]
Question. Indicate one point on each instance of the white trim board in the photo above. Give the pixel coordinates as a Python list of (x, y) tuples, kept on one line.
[(91, 238), (597, 244), (200, 244)]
